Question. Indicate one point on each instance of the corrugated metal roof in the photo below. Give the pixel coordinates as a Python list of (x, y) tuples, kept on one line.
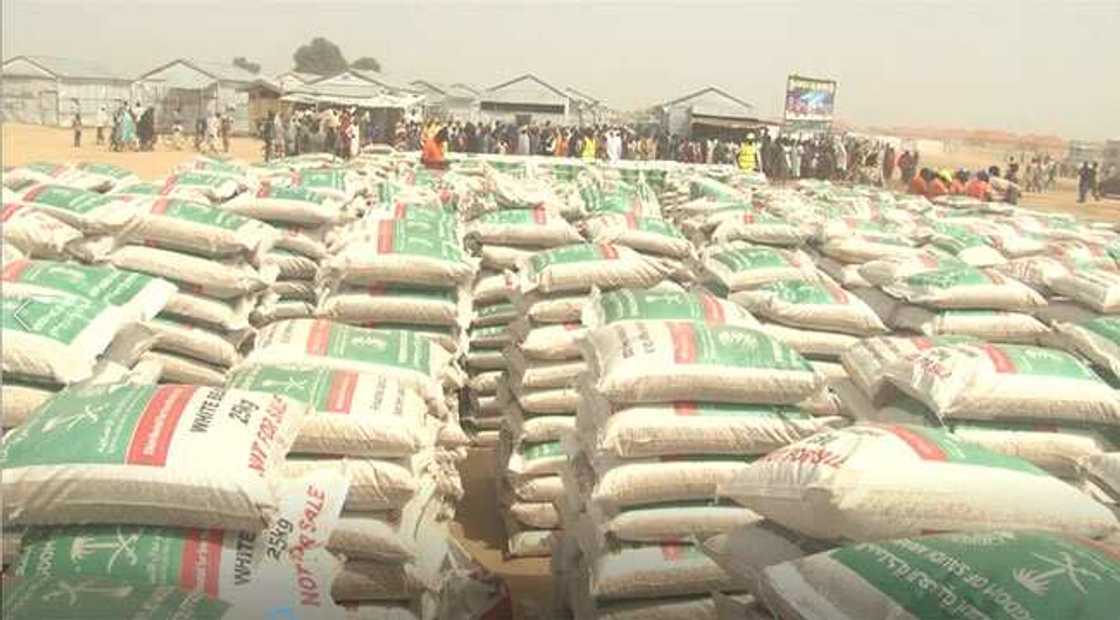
[(387, 81), (220, 71), (77, 68), (458, 90)]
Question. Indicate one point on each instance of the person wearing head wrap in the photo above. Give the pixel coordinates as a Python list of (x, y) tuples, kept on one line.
[(960, 179), (978, 187), (937, 185)]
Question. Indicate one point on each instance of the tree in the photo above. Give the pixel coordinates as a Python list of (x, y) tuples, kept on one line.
[(366, 63), (244, 63), (320, 57)]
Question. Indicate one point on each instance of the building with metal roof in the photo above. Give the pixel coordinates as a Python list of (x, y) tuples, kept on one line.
[(526, 99), (709, 112), (47, 90), (192, 88), (448, 101)]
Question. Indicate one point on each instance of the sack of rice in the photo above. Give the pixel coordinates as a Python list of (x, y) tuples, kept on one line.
[(873, 482), (644, 234), (291, 265), (388, 303), (494, 314), (740, 266), (546, 401), (232, 314), (1104, 471), (527, 543), (985, 381), (486, 382), (89, 212), (528, 374), (353, 414), (1056, 449), (669, 361), (668, 522), (866, 362), (492, 337), (760, 228), (536, 488), (287, 559), (549, 342), (290, 205), (541, 516), (536, 228), (376, 485), (539, 428), (55, 338), (966, 288), (368, 580), (684, 428), (864, 246), (307, 241), (201, 276), (580, 267), (196, 228), (34, 233), (620, 484), (218, 449), (294, 290), (991, 325), (215, 187), (336, 184), (503, 258), (181, 338), (139, 297), (112, 176), (153, 190), (820, 305), (1098, 340), (999, 574), (1037, 272), (655, 571), (812, 343), (492, 288), (404, 252), (550, 309), (272, 310), (884, 271), (19, 400), (1098, 289), (966, 245), (744, 552), (536, 459), (182, 369), (846, 275), (59, 174), (412, 359), (645, 305)]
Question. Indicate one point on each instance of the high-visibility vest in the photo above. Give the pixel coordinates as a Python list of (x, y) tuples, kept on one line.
[(588, 148), (746, 156)]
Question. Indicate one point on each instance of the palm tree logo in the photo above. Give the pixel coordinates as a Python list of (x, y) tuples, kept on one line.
[(1038, 582), (290, 385), (72, 593), (90, 413), (121, 544)]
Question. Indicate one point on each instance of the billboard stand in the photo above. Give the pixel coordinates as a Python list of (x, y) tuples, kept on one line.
[(809, 104)]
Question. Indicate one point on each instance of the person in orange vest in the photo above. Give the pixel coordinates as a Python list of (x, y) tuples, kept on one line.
[(978, 187), (918, 184), (937, 185), (432, 148), (960, 180)]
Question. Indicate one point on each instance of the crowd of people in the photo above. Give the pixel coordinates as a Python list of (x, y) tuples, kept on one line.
[(342, 131)]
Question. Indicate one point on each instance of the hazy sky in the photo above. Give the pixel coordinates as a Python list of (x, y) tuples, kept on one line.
[(1040, 66)]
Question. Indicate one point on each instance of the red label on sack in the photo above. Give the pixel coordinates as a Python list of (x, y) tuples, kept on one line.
[(685, 408), (748, 217), (9, 210), (169, 184), (922, 343), (34, 192), (151, 440), (926, 449), (1000, 360), (202, 557), (684, 342), (386, 231), (400, 211), (608, 252), (318, 337), (631, 221), (160, 206), (264, 189), (13, 269), (713, 311), (540, 216), (341, 394)]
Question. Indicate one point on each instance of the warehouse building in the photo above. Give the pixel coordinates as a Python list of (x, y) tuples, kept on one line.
[(527, 99), (709, 112), (47, 90), (195, 88), (448, 101)]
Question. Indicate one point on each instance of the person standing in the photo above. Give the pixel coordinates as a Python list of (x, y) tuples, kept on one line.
[(279, 139), (226, 128), (102, 121), (1083, 182), (747, 155), (344, 124), (888, 164), (213, 131), (919, 185), (978, 187), (76, 123), (1094, 180)]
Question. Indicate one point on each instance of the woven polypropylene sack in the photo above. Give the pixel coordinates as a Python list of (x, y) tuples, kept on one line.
[(222, 314), (1097, 288), (353, 414), (89, 212), (219, 349), (966, 288), (395, 304), (739, 266), (291, 205), (645, 305), (182, 369), (36, 234), (19, 400), (375, 484), (991, 325), (55, 339), (403, 252), (820, 305), (759, 228), (1096, 339), (867, 361), (986, 381), (196, 228), (216, 449), (644, 234), (655, 571), (669, 361), (888, 270), (875, 482), (583, 266), (534, 228), (813, 343), (852, 584), (138, 296), (212, 278)]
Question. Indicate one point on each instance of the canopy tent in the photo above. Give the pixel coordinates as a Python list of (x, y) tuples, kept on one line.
[(381, 100)]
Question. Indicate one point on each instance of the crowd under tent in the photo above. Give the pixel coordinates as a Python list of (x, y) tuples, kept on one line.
[(47, 90)]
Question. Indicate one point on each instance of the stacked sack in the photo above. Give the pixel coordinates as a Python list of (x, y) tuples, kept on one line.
[(166, 500), (379, 400), (519, 231), (681, 394), (540, 396)]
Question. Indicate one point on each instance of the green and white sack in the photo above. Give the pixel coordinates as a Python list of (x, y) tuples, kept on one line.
[(222, 279), (196, 228), (966, 288), (408, 252), (55, 338), (580, 267), (740, 266), (534, 228), (645, 305), (1096, 339), (139, 297), (819, 305), (889, 270), (288, 205), (991, 325), (35, 233), (648, 235), (1098, 289), (396, 304), (89, 212)]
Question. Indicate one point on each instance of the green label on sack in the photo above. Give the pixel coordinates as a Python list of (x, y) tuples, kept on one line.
[(542, 451), (1108, 327), (727, 345), (746, 259), (494, 331), (731, 410), (121, 423), (807, 293), (412, 292), (1039, 361), (644, 305), (496, 310), (326, 390), (933, 444), (949, 278), (656, 226), (280, 192), (61, 319), (385, 347), (993, 575), (418, 238), (66, 198), (197, 179), (47, 168), (108, 170), (141, 189), (197, 213), (110, 286), (572, 254), (956, 238), (517, 217), (83, 597), (321, 179)]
